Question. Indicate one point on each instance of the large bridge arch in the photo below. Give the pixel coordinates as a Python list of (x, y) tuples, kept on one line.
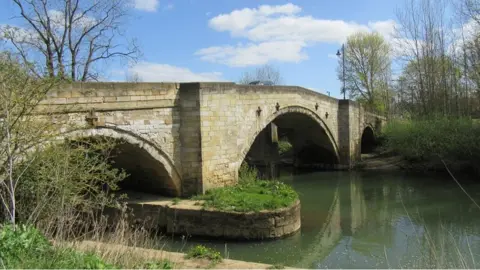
[(265, 121), (150, 157)]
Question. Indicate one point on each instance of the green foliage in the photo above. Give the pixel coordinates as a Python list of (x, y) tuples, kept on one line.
[(61, 180), (165, 264), (175, 201), (250, 194), (202, 252), (449, 139), (284, 146), (367, 68), (247, 174), (435, 92), (16, 241), (25, 247)]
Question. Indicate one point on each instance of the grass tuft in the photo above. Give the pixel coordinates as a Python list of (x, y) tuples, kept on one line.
[(175, 201), (250, 194), (202, 252)]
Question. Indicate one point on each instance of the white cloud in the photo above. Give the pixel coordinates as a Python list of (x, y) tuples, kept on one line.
[(255, 54), (57, 22), (17, 34), (58, 19), (153, 72), (384, 28), (240, 20), (278, 33), (463, 34), (146, 5)]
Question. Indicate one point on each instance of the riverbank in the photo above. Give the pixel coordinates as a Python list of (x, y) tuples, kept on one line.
[(385, 160), (177, 260), (24, 247)]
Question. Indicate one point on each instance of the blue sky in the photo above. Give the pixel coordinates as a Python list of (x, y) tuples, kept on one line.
[(213, 40)]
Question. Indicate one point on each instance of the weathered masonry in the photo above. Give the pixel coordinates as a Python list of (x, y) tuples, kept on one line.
[(185, 138)]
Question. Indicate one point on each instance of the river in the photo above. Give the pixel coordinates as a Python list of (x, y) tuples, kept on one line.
[(369, 220)]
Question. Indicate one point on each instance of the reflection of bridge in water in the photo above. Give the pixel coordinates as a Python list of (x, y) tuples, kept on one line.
[(346, 214), (331, 214), (347, 219)]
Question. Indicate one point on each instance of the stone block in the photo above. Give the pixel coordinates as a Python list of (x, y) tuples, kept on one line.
[(123, 98)]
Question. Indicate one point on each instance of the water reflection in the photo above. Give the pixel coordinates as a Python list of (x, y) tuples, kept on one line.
[(358, 220)]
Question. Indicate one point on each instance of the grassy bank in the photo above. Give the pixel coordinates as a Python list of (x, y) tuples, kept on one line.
[(427, 143), (25, 247), (250, 194)]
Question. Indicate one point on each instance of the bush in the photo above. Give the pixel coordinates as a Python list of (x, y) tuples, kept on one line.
[(202, 252), (425, 140), (250, 194), (25, 247), (284, 146), (61, 181), (247, 174)]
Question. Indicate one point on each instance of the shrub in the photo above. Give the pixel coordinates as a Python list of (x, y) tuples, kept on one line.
[(16, 242), (247, 174), (59, 182), (284, 146), (202, 252), (25, 247), (449, 139)]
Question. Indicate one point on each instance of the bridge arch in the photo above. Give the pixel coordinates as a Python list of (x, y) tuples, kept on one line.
[(262, 124), (367, 140), (155, 164)]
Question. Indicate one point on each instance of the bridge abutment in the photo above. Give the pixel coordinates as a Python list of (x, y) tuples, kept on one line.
[(348, 113)]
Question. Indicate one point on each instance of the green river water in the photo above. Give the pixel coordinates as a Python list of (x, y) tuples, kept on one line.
[(369, 220)]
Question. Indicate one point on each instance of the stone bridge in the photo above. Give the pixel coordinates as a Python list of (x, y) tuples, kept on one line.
[(181, 139)]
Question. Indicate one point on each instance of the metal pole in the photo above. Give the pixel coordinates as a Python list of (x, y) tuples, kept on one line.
[(343, 60)]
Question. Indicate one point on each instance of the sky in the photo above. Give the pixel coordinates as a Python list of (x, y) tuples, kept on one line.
[(219, 40)]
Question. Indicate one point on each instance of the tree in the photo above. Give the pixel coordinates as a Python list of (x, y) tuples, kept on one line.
[(438, 100), (367, 68), (430, 58), (71, 37), (263, 73), (43, 181)]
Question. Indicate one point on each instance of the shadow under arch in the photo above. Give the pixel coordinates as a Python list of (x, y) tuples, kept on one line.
[(283, 111), (368, 140), (136, 144)]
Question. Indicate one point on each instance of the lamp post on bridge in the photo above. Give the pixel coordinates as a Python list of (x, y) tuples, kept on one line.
[(343, 66)]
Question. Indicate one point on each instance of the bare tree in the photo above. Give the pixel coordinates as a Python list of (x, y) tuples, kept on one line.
[(71, 37), (263, 73), (471, 9), (133, 77), (424, 47)]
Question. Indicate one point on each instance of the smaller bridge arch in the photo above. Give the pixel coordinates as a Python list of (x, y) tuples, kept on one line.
[(367, 140), (141, 158), (263, 123)]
